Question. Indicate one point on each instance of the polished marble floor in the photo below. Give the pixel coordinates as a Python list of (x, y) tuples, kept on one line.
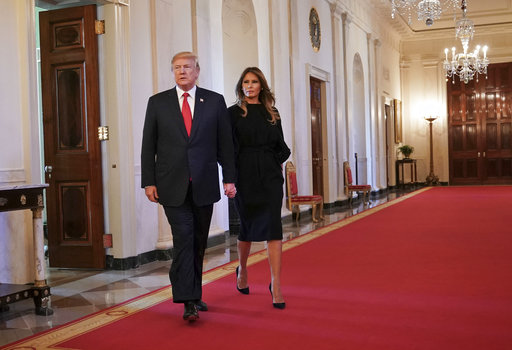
[(77, 293)]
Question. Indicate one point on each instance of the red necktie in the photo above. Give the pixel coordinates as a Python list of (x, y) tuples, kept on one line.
[(187, 115)]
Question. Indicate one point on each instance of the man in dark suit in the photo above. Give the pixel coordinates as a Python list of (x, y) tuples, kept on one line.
[(187, 131)]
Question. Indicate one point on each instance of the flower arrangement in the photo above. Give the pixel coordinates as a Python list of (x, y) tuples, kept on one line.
[(406, 150)]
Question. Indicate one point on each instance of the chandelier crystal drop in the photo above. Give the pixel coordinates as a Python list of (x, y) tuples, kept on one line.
[(427, 10), (465, 65)]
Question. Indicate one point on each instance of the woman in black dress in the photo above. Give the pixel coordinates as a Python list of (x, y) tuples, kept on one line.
[(260, 151)]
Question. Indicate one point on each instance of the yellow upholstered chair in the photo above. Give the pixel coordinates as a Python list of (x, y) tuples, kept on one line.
[(350, 188), (293, 200)]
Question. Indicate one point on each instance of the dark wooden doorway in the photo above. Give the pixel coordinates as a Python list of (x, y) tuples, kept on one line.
[(69, 71), (317, 136), (480, 128)]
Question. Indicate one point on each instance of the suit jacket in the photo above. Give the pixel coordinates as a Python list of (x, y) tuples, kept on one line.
[(170, 158)]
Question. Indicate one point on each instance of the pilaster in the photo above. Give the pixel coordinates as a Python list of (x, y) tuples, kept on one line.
[(346, 21), (338, 86), (372, 118), (380, 142), (119, 172)]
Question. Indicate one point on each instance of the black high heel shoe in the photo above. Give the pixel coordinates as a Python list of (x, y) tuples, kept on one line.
[(241, 290), (276, 305)]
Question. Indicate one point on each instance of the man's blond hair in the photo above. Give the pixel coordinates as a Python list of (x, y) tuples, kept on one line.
[(188, 55)]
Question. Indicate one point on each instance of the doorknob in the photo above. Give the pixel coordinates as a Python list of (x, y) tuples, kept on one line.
[(478, 154), (484, 154), (48, 169)]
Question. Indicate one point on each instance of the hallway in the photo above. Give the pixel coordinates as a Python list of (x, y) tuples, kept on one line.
[(78, 293)]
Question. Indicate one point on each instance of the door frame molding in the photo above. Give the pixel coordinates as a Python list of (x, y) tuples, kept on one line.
[(324, 76), (35, 172), (88, 251)]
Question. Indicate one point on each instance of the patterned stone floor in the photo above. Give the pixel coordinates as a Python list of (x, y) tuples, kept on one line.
[(77, 293)]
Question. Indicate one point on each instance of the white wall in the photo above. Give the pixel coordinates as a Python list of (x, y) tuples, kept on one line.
[(154, 40), (389, 78), (358, 120), (19, 134), (305, 63), (12, 96), (424, 89), (143, 86), (240, 40), (422, 100), (135, 58), (356, 30)]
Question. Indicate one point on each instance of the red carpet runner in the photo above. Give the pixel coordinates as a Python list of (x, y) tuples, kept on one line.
[(433, 271)]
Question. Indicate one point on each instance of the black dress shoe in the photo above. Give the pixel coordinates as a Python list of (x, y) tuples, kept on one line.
[(201, 306), (276, 305), (241, 290), (190, 313)]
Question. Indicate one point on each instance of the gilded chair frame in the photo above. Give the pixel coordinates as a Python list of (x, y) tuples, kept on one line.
[(350, 189), (294, 200)]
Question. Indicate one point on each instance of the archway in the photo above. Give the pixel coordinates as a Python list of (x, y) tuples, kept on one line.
[(240, 42), (358, 122)]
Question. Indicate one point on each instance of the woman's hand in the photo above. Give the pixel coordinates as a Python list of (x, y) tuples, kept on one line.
[(230, 190)]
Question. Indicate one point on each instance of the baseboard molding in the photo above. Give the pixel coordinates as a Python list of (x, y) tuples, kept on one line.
[(133, 262), (234, 227)]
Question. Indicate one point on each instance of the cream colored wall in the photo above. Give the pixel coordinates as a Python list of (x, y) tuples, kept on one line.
[(389, 75), (117, 113), (240, 40), (142, 85), (361, 30), (154, 39), (349, 28), (210, 45), (305, 63), (19, 135), (279, 75), (358, 96), (135, 57), (424, 89), (423, 100), (207, 18), (135, 54), (145, 39)]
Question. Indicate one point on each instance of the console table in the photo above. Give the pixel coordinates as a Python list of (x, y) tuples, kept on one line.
[(399, 169), (18, 198)]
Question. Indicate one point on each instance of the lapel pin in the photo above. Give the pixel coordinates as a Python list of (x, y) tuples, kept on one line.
[(201, 100)]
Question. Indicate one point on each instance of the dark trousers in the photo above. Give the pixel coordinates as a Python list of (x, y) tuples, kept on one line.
[(190, 225)]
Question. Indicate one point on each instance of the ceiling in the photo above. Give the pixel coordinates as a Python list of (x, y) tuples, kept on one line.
[(489, 16), (484, 13)]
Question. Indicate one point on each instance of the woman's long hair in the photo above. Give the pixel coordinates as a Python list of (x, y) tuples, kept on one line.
[(266, 97)]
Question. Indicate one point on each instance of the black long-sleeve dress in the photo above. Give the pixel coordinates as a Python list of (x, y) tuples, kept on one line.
[(260, 150)]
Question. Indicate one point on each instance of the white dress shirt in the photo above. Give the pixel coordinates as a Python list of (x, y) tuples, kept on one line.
[(191, 98)]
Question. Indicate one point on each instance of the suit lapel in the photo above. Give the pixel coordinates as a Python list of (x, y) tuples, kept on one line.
[(198, 111), (176, 112)]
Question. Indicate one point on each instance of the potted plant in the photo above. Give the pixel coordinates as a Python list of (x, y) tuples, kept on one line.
[(406, 150)]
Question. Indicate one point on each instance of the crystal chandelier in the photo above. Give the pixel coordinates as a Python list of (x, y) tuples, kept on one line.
[(466, 64), (427, 10)]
